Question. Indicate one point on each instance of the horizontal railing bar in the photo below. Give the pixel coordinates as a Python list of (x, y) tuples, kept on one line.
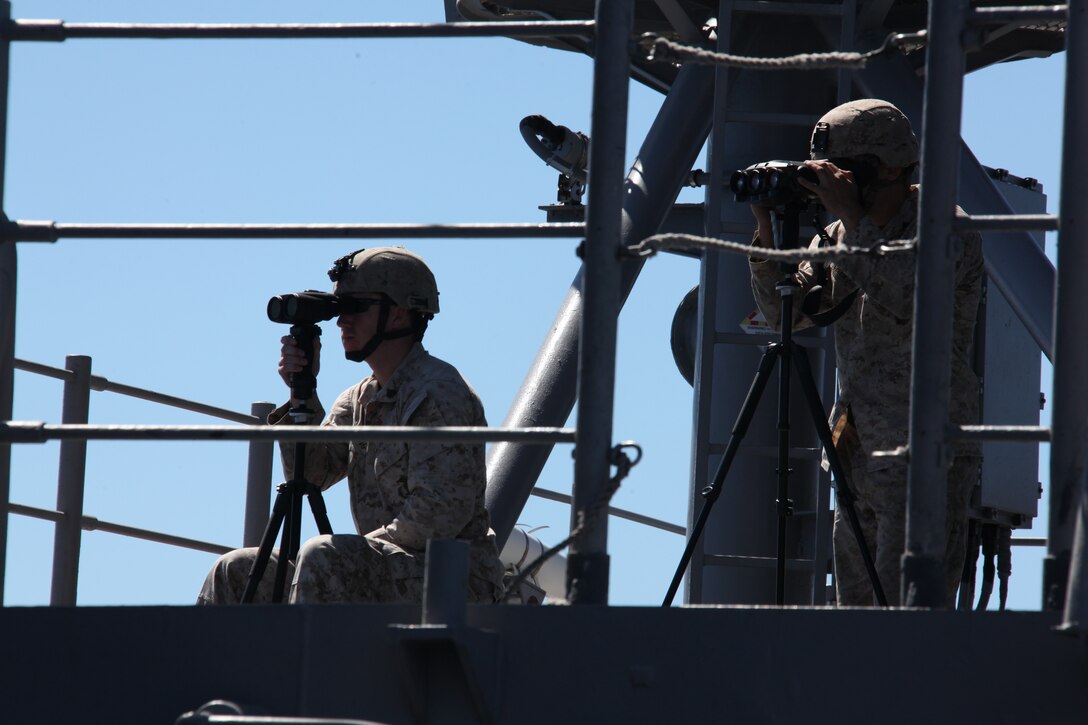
[(756, 562), (1023, 433), (1028, 540), (59, 30), (1017, 14), (1007, 223), (102, 384), (613, 511), (37, 432), (47, 231), (90, 523)]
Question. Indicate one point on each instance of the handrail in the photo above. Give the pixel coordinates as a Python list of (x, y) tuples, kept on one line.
[(91, 523), (59, 30), (102, 384), (21, 431), (49, 231)]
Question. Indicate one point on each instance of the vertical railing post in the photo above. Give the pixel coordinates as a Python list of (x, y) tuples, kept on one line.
[(587, 567), (8, 267), (923, 579), (71, 480), (1068, 485), (258, 480)]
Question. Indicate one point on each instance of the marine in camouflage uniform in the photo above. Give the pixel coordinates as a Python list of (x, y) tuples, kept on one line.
[(402, 493), (873, 348)]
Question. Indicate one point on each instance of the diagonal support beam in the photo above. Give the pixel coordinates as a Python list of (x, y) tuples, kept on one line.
[(548, 392)]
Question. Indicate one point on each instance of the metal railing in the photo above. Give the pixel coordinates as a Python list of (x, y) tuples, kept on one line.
[(602, 261), (74, 432), (1066, 567)]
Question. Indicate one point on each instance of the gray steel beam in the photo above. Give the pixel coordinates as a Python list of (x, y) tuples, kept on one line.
[(548, 392), (1014, 261), (934, 292), (587, 564), (1068, 492), (71, 479), (8, 273)]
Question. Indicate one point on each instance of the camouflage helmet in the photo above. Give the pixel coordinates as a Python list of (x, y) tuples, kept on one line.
[(393, 271), (866, 127)]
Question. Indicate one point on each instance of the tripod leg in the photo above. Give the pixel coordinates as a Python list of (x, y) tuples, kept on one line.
[(289, 542), (845, 495), (711, 492), (321, 514), (264, 552)]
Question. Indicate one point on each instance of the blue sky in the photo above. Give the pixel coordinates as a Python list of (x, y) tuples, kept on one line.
[(363, 131)]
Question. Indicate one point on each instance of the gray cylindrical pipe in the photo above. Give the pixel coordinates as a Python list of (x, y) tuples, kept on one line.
[(1066, 556), (927, 480), (71, 478), (258, 481), (547, 394)]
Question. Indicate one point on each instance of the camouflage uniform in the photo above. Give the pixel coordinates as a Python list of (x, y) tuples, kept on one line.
[(402, 494), (871, 413)]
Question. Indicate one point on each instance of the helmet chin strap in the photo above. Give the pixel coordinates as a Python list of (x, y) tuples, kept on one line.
[(380, 336)]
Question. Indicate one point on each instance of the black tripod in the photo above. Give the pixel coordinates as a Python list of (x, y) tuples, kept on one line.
[(787, 230), (287, 511)]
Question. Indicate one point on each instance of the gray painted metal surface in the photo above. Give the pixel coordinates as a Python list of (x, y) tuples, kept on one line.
[(258, 481), (934, 291), (1011, 398), (555, 664), (73, 466), (587, 563), (735, 562), (547, 394)]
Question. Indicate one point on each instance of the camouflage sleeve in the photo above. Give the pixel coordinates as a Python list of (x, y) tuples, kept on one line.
[(765, 277), (444, 480), (886, 281), (326, 463)]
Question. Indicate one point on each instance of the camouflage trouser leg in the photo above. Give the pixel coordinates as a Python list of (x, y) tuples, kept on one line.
[(226, 582), (883, 532), (348, 568), (882, 510)]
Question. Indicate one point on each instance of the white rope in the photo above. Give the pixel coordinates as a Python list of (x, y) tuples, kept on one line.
[(658, 48), (658, 242)]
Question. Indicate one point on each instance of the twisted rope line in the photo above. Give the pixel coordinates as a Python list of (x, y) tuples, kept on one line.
[(660, 49), (652, 245)]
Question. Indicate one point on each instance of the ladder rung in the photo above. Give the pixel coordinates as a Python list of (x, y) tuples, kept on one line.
[(1022, 15), (1006, 223), (769, 7), (801, 454), (1024, 433), (771, 119), (756, 562)]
